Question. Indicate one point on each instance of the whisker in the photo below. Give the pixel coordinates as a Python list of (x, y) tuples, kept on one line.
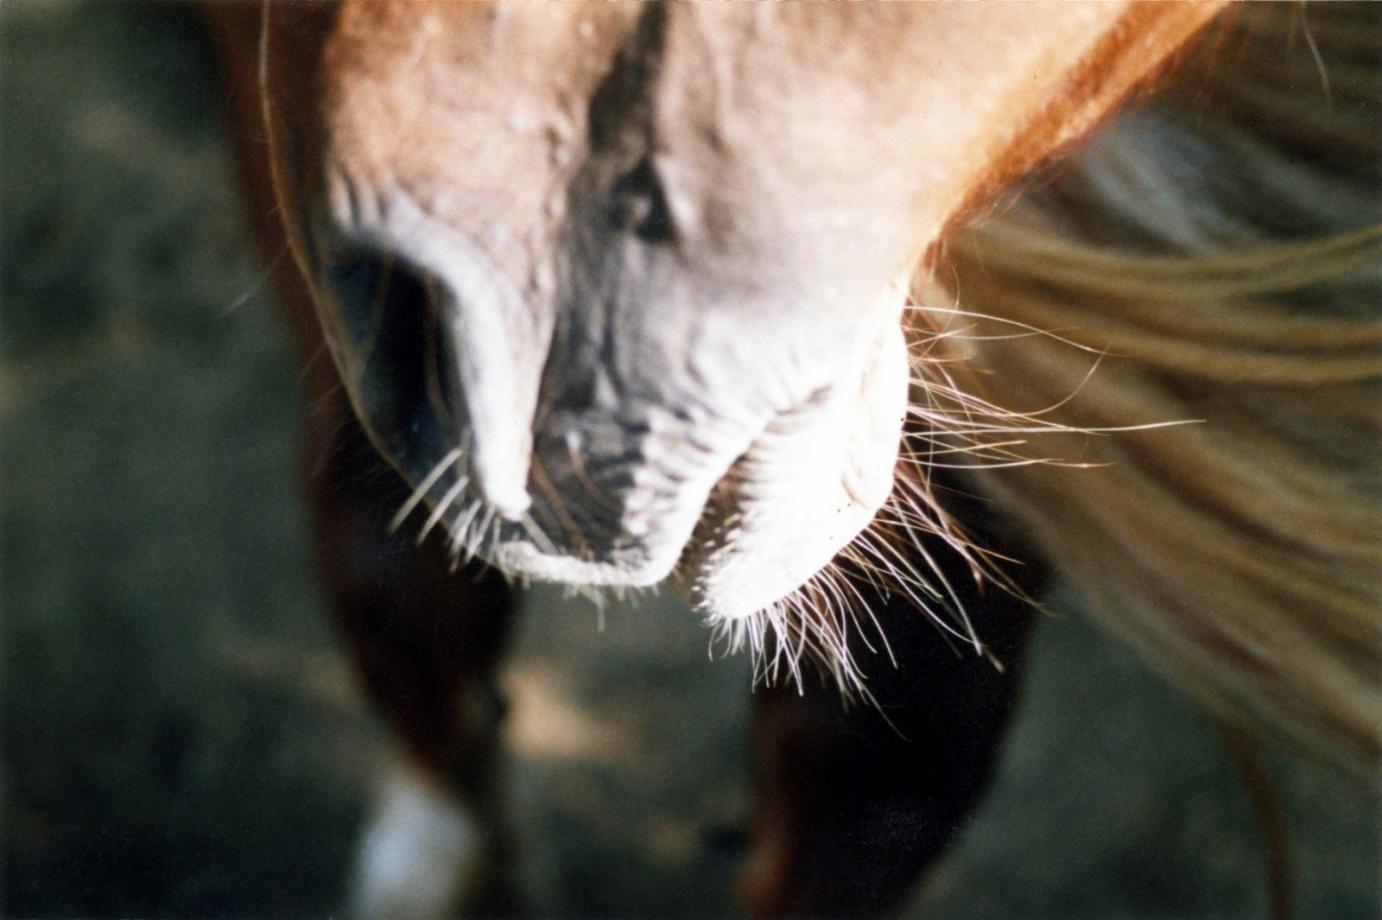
[(438, 512), (423, 488)]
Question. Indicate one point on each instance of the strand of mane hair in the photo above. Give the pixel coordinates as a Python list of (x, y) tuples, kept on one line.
[(1221, 243)]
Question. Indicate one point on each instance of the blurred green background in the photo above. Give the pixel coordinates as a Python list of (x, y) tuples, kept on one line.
[(181, 736)]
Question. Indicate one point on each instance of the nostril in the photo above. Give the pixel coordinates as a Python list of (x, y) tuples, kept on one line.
[(358, 283), (393, 357), (371, 289), (639, 205), (437, 352)]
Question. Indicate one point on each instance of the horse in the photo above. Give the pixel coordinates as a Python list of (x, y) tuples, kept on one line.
[(856, 322)]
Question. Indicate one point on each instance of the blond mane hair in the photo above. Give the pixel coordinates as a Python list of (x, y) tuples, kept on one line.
[(1215, 255)]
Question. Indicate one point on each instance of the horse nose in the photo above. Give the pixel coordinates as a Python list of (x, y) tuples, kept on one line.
[(435, 354)]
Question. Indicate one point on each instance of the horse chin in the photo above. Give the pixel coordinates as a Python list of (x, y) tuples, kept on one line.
[(801, 494)]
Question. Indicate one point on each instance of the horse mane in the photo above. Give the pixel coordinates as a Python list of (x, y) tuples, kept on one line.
[(1214, 256)]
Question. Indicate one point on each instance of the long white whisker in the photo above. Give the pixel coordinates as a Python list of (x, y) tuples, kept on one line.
[(438, 512), (423, 488)]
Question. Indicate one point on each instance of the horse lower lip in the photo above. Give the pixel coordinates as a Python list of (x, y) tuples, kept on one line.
[(641, 553), (524, 560)]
